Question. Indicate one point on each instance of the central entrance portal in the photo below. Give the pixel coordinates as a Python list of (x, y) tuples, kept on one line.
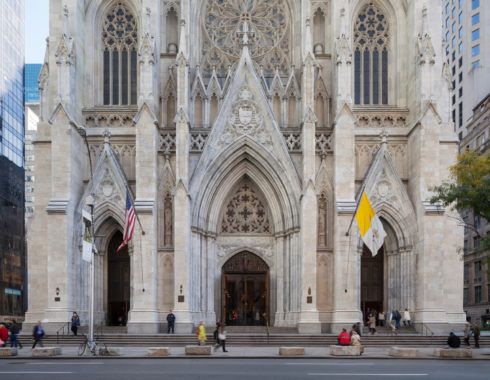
[(372, 281), (245, 290)]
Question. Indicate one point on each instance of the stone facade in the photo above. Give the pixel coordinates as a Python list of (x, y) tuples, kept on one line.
[(243, 128)]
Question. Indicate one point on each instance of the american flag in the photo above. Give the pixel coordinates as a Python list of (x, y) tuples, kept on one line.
[(129, 222)]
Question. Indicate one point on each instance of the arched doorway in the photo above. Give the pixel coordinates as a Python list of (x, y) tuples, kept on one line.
[(245, 290), (372, 281), (118, 290)]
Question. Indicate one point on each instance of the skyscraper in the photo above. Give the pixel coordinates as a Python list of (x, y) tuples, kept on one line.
[(12, 252)]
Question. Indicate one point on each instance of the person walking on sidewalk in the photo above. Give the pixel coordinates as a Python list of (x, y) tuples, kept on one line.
[(201, 334), (14, 335), (222, 338), (75, 322), (216, 333), (476, 335), (170, 322), (398, 318), (467, 334), (38, 334), (406, 318)]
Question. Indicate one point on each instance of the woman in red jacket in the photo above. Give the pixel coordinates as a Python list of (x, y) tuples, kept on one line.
[(4, 335), (344, 338)]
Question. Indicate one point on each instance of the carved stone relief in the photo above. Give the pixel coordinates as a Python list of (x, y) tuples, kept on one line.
[(366, 152)]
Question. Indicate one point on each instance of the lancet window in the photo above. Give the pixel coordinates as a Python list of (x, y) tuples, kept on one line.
[(120, 39), (371, 55)]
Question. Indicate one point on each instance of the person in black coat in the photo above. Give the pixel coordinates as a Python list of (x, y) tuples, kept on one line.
[(14, 333), (38, 334), (170, 322), (453, 341)]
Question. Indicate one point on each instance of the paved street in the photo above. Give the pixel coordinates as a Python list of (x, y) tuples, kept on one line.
[(236, 369)]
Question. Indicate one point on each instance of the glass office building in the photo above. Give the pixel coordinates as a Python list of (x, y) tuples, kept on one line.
[(12, 235), (31, 92)]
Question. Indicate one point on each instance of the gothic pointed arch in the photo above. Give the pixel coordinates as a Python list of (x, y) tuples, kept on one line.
[(169, 100), (245, 210), (324, 189), (119, 33), (165, 210), (322, 101)]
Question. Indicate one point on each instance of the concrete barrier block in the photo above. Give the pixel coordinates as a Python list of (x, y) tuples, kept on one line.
[(292, 351), (453, 353), (158, 351), (198, 350), (404, 352), (345, 350), (7, 351), (46, 351), (109, 351)]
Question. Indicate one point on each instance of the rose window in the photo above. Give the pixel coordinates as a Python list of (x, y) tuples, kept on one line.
[(267, 20)]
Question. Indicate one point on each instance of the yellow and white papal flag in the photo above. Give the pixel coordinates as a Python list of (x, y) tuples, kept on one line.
[(371, 228)]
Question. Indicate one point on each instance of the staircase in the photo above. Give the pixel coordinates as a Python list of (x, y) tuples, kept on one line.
[(248, 339)]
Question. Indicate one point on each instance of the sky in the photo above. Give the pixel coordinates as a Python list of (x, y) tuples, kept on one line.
[(36, 29)]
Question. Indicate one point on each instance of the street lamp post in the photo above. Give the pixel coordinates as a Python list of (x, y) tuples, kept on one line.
[(90, 202)]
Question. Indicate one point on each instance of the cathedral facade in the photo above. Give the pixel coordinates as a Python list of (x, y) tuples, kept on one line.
[(245, 132)]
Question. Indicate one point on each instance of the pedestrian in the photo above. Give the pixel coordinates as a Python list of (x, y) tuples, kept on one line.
[(398, 318), (393, 321), (216, 333), (476, 334), (358, 328), (344, 338), (14, 335), (372, 325), (406, 318), (381, 318), (170, 322), (355, 340), (453, 341), (467, 334), (201, 336), (221, 338), (75, 322), (38, 334), (4, 335), (368, 314)]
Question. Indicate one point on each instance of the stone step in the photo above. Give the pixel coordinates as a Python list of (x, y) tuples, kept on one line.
[(159, 340)]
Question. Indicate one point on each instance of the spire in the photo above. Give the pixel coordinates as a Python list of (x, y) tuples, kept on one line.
[(424, 20), (308, 41), (182, 40), (66, 14), (148, 19), (245, 34), (342, 22)]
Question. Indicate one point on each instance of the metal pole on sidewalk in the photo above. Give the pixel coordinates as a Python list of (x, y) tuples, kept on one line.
[(90, 201)]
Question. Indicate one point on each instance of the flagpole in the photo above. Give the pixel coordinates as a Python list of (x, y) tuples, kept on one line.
[(355, 212)]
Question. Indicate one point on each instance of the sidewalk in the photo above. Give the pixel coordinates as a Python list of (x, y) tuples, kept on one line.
[(247, 353)]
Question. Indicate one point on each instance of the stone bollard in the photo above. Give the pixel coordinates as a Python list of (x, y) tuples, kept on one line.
[(158, 351), (109, 351), (345, 350), (8, 351), (46, 351), (292, 351), (403, 352), (198, 350), (453, 353)]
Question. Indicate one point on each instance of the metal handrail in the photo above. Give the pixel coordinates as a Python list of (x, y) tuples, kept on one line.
[(62, 328), (427, 329)]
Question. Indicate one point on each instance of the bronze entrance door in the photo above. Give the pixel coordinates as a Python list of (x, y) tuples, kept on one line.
[(372, 281), (118, 282), (245, 291)]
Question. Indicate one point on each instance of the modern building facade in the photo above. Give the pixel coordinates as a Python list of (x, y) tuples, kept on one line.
[(32, 109), (466, 26), (246, 132), (12, 243)]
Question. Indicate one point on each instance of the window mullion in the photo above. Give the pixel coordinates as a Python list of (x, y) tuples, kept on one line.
[(111, 100), (361, 62), (119, 57)]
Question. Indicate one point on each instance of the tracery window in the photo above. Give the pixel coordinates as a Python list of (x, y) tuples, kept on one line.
[(268, 20), (120, 38), (371, 42), (245, 212)]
